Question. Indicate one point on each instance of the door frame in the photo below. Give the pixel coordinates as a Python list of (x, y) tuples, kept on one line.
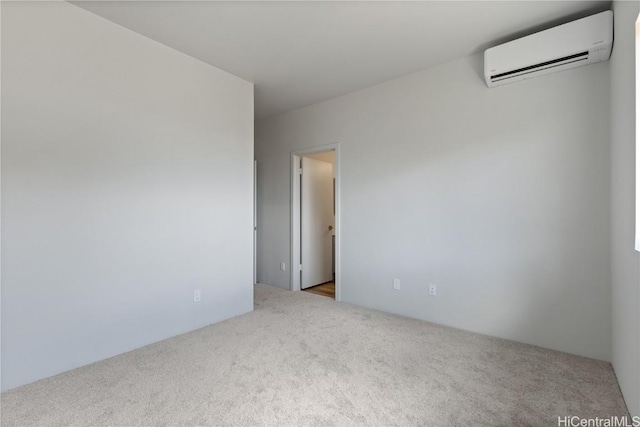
[(296, 155), (255, 222)]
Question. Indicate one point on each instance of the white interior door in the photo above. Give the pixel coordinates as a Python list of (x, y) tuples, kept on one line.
[(316, 222)]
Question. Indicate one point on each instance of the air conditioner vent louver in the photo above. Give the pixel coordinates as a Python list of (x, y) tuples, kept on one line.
[(582, 56), (551, 50)]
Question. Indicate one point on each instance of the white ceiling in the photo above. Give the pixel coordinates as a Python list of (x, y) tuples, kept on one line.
[(300, 53)]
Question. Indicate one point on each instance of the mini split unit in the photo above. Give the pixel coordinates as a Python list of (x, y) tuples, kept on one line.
[(582, 42)]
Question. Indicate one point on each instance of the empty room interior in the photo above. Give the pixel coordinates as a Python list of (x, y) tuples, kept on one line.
[(334, 213)]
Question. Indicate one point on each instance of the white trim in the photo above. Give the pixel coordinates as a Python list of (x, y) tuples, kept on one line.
[(637, 132), (295, 222), (255, 222), (295, 214)]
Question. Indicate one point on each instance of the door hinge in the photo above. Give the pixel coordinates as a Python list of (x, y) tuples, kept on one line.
[(300, 267), (300, 171)]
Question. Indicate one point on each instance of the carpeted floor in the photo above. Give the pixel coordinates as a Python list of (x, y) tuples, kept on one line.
[(303, 359)]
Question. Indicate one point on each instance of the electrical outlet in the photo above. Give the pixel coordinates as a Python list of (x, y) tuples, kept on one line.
[(283, 266), (396, 284), (196, 295), (432, 290)]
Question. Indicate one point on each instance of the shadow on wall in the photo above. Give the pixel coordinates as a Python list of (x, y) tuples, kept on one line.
[(476, 62)]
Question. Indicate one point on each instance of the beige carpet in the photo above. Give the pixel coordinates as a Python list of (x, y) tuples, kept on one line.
[(303, 359)]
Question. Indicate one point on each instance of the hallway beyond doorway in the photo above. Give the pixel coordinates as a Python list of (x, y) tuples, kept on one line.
[(326, 290)]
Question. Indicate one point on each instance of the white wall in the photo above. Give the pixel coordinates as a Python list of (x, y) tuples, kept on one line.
[(499, 196), (625, 261), (126, 184)]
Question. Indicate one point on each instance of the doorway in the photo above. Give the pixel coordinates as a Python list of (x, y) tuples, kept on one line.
[(315, 221)]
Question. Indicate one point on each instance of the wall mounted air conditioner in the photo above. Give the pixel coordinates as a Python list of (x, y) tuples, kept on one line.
[(585, 41)]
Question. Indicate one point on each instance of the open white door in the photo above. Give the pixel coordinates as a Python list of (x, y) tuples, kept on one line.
[(316, 222)]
